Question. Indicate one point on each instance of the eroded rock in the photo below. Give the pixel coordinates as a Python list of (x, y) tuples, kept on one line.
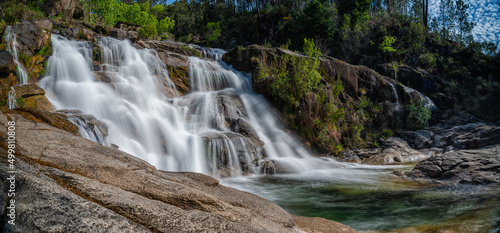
[(479, 166), (80, 184)]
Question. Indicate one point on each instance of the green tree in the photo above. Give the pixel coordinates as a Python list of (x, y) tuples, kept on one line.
[(214, 32)]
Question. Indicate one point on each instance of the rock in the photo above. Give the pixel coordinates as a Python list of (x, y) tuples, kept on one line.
[(240, 158), (392, 150), (122, 34), (72, 183), (419, 139), (39, 102), (28, 90), (32, 36), (7, 65), (245, 128), (267, 167), (316, 225), (177, 66), (56, 120), (418, 79), (93, 128), (66, 8), (468, 136), (6, 84), (173, 47), (479, 166)]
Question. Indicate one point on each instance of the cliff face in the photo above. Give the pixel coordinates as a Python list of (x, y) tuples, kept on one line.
[(365, 103)]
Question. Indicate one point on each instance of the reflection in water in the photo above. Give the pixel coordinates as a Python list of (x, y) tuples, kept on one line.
[(370, 198)]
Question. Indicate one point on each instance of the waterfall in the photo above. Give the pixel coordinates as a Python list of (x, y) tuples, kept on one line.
[(221, 128), (11, 43), (12, 98)]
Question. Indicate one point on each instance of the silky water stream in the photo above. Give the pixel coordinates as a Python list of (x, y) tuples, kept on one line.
[(222, 128)]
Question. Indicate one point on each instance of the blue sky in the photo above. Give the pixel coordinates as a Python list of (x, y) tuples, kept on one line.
[(486, 15)]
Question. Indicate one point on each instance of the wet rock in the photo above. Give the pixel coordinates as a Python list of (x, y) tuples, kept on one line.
[(27, 90), (38, 102), (267, 167), (392, 150), (7, 64), (418, 79), (56, 120), (93, 128), (231, 154), (479, 166), (172, 47), (245, 128), (5, 85), (32, 36), (177, 66), (316, 225), (73, 183)]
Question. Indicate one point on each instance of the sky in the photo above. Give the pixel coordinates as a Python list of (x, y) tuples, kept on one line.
[(486, 15)]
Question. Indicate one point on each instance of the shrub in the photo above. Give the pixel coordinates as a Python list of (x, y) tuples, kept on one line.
[(418, 116), (20, 102), (427, 60), (386, 45)]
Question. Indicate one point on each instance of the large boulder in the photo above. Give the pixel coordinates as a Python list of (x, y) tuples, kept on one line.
[(392, 151), (479, 166), (7, 65), (417, 79), (67, 8), (73, 184), (32, 36), (33, 96)]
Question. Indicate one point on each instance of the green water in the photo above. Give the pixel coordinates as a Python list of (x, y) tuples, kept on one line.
[(370, 198)]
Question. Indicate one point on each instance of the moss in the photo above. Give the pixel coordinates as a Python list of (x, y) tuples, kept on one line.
[(20, 102)]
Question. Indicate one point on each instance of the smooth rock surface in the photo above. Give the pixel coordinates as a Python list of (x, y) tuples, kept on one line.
[(73, 183)]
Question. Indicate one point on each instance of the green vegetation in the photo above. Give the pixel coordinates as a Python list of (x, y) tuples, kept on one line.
[(20, 102), (418, 116), (291, 78), (149, 17)]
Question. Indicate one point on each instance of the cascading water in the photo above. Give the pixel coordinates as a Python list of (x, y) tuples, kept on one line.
[(10, 39), (11, 98), (221, 128)]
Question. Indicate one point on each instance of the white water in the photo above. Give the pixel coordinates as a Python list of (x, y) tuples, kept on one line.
[(199, 132), (11, 98), (10, 39)]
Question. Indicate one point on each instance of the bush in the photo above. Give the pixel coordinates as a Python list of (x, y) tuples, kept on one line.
[(427, 60), (418, 116)]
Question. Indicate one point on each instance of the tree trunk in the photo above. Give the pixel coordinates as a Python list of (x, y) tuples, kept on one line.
[(425, 11)]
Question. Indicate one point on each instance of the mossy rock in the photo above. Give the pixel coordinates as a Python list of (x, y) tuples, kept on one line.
[(39, 102)]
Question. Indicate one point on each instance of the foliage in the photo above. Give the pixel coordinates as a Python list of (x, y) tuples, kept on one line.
[(110, 12), (386, 45), (292, 77), (427, 60), (418, 116), (213, 32), (20, 102)]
